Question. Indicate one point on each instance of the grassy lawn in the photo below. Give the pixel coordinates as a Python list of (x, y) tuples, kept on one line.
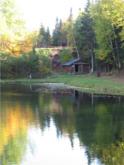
[(86, 83)]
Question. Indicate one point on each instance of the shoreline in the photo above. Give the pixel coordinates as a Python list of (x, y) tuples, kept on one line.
[(83, 83), (61, 86)]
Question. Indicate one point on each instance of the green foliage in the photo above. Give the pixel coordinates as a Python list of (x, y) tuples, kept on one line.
[(43, 51), (66, 55), (44, 65), (44, 37), (68, 28), (27, 64), (99, 33), (63, 32), (57, 34), (108, 27), (84, 35), (103, 31)]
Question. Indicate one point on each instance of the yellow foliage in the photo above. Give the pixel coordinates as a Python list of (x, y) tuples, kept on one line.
[(17, 46), (14, 121)]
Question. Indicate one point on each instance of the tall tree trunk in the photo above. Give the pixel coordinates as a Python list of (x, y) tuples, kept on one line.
[(92, 64), (78, 55), (113, 52), (117, 50), (92, 59)]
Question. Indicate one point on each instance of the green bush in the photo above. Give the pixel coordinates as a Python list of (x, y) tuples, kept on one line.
[(66, 55), (24, 65), (43, 51)]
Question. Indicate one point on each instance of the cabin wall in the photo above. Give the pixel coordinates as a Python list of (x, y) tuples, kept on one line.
[(68, 69), (86, 69), (82, 69)]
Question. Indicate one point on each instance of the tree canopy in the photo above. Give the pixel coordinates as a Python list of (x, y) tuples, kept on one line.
[(96, 35)]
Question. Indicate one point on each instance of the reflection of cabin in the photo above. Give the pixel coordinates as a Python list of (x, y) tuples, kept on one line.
[(76, 66)]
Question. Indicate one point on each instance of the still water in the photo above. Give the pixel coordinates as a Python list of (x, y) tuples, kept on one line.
[(60, 127)]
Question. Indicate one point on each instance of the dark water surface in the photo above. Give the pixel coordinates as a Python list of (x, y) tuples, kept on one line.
[(60, 128)]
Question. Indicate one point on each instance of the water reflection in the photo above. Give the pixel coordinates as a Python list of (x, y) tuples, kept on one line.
[(60, 128)]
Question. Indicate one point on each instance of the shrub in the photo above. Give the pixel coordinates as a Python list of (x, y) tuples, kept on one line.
[(66, 55), (24, 65)]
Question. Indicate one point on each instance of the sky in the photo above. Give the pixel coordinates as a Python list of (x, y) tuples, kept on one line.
[(37, 12)]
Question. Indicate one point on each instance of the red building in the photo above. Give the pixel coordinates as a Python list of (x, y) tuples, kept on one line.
[(76, 66)]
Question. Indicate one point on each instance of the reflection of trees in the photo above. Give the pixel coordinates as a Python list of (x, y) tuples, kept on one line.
[(60, 109), (14, 149), (109, 133), (100, 128), (98, 122), (16, 115)]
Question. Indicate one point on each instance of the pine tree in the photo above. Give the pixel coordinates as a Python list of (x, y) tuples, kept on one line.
[(44, 37), (57, 33), (85, 37)]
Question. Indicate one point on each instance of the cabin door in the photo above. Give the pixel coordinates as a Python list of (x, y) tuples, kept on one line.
[(76, 68)]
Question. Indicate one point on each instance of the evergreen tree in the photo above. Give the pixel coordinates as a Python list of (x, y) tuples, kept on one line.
[(44, 38), (70, 30), (85, 37), (57, 34), (47, 37)]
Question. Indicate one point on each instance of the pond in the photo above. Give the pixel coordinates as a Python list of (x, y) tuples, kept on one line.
[(60, 127)]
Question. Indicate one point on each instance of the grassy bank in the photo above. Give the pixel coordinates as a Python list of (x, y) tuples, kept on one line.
[(86, 83)]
